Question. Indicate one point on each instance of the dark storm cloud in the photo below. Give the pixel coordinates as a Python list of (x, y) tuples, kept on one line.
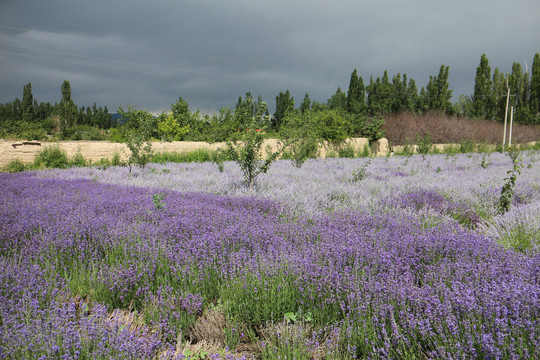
[(210, 52)]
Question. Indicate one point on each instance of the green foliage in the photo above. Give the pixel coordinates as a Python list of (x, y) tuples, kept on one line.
[(346, 151), (78, 160), (306, 104), (15, 166), (68, 109), (424, 144), (379, 95), (338, 101), (169, 128), (485, 161), (83, 132), (255, 301), (199, 156), (52, 157), (157, 200), (438, 94), (360, 173), (372, 128), (467, 146), (521, 238), (482, 89), (137, 130), (32, 131), (28, 104), (507, 191), (247, 153), (356, 94), (331, 126), (534, 100), (299, 135), (284, 105)]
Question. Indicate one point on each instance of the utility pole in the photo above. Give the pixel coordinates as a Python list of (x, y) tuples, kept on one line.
[(506, 113), (511, 117)]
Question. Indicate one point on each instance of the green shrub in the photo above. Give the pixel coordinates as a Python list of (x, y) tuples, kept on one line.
[(78, 160), (373, 128), (83, 132), (346, 151), (117, 160), (424, 144), (299, 134), (52, 157), (15, 166), (199, 156), (467, 146), (507, 191), (247, 153)]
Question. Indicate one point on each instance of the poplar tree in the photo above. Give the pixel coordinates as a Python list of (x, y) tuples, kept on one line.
[(482, 89), (68, 109), (499, 90), (338, 101), (305, 106), (284, 104), (356, 94), (438, 92), (534, 101), (27, 104)]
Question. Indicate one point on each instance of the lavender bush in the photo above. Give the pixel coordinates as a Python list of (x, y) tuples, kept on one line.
[(374, 279)]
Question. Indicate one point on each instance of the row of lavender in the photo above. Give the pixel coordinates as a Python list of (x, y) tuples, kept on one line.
[(440, 188), (380, 284)]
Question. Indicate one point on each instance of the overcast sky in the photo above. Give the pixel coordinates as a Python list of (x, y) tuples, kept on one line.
[(149, 53)]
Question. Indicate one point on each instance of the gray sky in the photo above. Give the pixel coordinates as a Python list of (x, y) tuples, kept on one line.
[(149, 53)]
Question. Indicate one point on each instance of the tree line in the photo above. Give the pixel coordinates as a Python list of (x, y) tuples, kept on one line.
[(29, 119), (357, 112)]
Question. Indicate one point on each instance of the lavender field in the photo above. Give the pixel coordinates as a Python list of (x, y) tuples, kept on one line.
[(384, 258)]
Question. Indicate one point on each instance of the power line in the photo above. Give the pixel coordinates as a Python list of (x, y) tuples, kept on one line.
[(172, 51), (111, 60), (107, 66)]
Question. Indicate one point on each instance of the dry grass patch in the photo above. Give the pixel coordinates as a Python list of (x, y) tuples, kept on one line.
[(405, 127)]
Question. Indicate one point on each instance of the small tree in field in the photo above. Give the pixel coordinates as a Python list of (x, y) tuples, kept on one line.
[(137, 130), (247, 149), (248, 154)]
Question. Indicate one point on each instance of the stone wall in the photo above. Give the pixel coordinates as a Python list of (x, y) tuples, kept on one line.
[(94, 151)]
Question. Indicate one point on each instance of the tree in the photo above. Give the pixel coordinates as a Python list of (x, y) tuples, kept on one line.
[(246, 148), (438, 93), (305, 106), (400, 100), (180, 112), (27, 104), (482, 89), (379, 94), (534, 101), (137, 130), (412, 95), (499, 91), (284, 104), (249, 114), (299, 134), (338, 101), (68, 109), (519, 86), (170, 129), (332, 126), (356, 94)]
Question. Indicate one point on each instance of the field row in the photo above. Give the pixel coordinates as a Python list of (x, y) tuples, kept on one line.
[(399, 258)]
